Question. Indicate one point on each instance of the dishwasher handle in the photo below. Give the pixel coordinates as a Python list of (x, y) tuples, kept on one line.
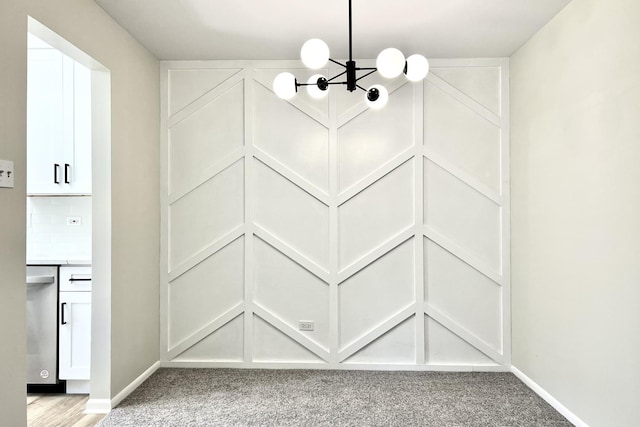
[(40, 280)]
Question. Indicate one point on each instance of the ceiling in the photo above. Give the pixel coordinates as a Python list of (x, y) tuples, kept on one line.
[(276, 29)]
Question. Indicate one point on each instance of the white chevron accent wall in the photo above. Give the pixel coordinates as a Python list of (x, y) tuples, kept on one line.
[(389, 229)]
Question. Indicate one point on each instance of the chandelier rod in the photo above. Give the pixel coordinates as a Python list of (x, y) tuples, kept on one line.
[(350, 35)]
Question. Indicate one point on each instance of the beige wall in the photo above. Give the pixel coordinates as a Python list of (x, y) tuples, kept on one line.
[(135, 182), (13, 85), (575, 112)]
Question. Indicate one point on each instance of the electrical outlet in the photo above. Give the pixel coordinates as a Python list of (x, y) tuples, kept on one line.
[(74, 220), (305, 325), (6, 173)]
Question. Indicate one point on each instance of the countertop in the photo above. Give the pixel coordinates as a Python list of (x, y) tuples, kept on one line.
[(58, 262)]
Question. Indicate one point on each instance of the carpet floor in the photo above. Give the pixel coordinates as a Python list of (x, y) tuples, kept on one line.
[(313, 398)]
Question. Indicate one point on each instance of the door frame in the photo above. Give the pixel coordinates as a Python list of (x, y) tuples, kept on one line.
[(100, 395)]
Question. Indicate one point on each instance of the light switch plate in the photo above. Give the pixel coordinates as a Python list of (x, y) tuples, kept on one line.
[(6, 174)]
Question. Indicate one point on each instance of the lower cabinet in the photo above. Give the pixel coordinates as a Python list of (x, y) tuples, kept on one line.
[(74, 330), (75, 336)]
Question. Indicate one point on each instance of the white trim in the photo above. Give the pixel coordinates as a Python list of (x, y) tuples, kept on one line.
[(206, 253), (419, 277), (249, 217), (464, 99), (134, 384), (495, 354), (290, 175), (463, 254), (376, 253), (379, 330), (208, 174), (563, 410), (291, 332), (468, 179), (98, 406), (226, 85), (464, 62), (505, 214), (283, 247), (206, 330), (334, 230), (164, 212), (376, 175), (337, 366)]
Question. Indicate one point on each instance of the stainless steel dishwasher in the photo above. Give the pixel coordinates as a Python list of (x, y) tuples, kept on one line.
[(42, 326)]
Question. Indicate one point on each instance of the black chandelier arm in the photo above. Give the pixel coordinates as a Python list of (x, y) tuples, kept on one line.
[(339, 63), (315, 84), (337, 75), (373, 70), (331, 80)]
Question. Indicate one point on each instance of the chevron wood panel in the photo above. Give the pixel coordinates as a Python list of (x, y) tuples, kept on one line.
[(387, 229)]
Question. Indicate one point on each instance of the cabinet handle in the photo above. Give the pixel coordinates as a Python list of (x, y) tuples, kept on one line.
[(64, 322), (84, 279), (56, 169), (67, 173)]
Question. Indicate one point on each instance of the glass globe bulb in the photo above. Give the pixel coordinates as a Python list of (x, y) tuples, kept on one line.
[(314, 53), (417, 68), (381, 101), (315, 91), (284, 85), (390, 63)]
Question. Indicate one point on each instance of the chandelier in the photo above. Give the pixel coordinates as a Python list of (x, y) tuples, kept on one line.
[(390, 63)]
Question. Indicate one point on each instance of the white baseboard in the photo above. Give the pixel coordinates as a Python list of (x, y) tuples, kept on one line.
[(103, 406), (134, 384), (335, 366), (573, 418), (98, 406)]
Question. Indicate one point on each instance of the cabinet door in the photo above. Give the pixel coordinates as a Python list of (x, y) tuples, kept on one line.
[(75, 336), (45, 120), (78, 148), (58, 124)]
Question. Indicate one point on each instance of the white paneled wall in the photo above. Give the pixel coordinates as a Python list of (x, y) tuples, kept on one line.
[(388, 229)]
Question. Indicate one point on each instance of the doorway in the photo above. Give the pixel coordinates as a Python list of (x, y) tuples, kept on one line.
[(100, 135)]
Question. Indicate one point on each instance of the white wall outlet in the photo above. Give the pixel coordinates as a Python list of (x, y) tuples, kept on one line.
[(305, 325), (74, 220), (6, 174)]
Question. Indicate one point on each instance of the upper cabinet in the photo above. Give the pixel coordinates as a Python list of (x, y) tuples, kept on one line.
[(58, 124)]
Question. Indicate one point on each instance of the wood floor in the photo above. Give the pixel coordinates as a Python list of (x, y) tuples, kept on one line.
[(59, 410)]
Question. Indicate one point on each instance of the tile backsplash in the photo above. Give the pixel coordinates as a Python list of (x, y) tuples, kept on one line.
[(59, 228)]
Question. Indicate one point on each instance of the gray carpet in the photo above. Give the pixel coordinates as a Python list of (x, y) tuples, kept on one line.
[(304, 398)]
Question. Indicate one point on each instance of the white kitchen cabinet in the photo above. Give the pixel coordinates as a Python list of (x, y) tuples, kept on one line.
[(74, 337), (58, 124)]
